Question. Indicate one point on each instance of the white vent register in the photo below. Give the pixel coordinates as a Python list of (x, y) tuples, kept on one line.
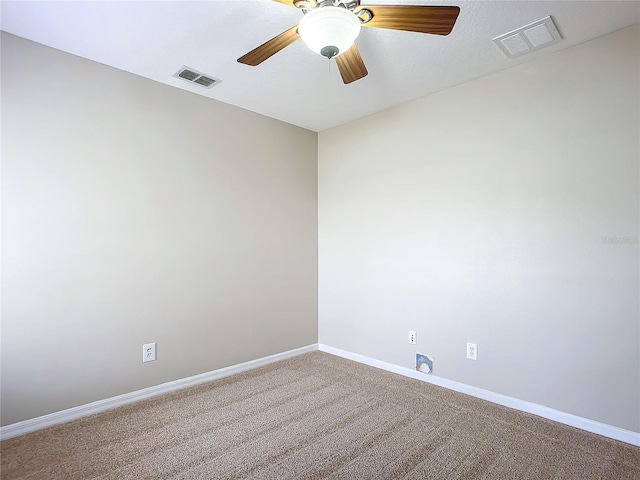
[(529, 38), (199, 78)]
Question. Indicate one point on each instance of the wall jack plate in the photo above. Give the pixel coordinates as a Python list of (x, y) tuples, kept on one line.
[(148, 352), (412, 337)]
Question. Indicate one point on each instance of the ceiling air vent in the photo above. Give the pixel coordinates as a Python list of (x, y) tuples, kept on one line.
[(529, 38), (193, 76)]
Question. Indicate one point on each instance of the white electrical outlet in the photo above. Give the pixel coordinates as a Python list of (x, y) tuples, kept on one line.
[(472, 351), (412, 337), (148, 352)]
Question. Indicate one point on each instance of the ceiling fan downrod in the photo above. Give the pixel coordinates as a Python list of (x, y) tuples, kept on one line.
[(363, 14)]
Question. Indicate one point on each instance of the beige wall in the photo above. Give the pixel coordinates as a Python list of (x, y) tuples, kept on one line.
[(135, 212), (504, 212)]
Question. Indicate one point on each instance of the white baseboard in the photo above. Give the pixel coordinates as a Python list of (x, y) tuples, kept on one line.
[(592, 426), (56, 418)]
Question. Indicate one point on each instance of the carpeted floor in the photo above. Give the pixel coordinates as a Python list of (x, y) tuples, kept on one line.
[(316, 416)]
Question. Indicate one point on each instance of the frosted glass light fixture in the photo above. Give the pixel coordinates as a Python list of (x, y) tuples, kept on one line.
[(329, 31)]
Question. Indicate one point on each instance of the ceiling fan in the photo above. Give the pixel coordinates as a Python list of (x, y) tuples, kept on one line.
[(330, 27)]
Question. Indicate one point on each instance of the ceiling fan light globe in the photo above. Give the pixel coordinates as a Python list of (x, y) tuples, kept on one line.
[(329, 27)]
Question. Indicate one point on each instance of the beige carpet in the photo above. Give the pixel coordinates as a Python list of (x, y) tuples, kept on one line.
[(316, 416)]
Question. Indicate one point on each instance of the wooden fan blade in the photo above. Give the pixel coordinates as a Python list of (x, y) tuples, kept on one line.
[(273, 46), (286, 2), (413, 18), (351, 65), (301, 3)]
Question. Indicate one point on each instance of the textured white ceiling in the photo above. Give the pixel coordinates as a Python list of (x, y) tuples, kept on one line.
[(155, 38)]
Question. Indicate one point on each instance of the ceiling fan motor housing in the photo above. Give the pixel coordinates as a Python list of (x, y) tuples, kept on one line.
[(329, 31)]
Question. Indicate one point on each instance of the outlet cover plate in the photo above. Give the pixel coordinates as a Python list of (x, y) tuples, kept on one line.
[(148, 352), (472, 351)]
